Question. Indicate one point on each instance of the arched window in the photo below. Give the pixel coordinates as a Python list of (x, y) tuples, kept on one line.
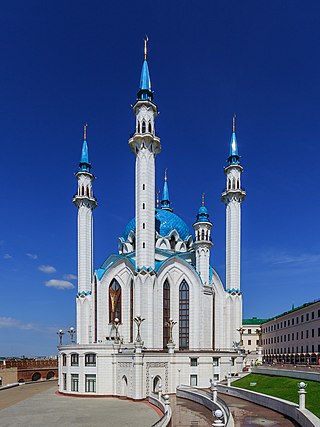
[(143, 186), (143, 225), (143, 127), (82, 191), (183, 316), (172, 243), (166, 313), (138, 127), (143, 205), (88, 192), (143, 245), (202, 234), (114, 301), (150, 127)]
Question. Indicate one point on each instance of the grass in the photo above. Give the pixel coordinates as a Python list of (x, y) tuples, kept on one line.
[(284, 388)]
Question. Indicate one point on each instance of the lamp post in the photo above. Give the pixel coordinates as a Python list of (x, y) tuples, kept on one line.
[(218, 415), (60, 333), (72, 332), (116, 324), (138, 320), (241, 331), (302, 395)]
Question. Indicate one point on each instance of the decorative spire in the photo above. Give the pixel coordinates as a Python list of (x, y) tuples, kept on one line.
[(145, 47), (145, 93), (234, 158), (84, 164), (165, 202), (203, 215)]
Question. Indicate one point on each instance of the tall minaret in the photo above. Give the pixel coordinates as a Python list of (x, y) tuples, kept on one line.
[(202, 243), (145, 145), (85, 202), (233, 197)]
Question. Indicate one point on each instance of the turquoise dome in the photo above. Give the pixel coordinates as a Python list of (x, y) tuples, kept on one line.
[(166, 222)]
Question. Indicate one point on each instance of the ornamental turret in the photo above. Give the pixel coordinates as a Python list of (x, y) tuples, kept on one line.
[(202, 243), (86, 203), (145, 145), (233, 196)]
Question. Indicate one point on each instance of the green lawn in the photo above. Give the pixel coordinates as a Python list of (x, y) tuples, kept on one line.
[(284, 388)]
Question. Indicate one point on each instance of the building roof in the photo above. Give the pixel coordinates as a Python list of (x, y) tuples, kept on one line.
[(294, 309), (166, 222), (253, 321)]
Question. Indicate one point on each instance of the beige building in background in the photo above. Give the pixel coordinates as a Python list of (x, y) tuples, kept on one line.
[(294, 336)]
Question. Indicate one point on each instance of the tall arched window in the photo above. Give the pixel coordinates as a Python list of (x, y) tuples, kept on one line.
[(143, 127), (183, 316), (114, 301), (166, 313), (149, 128)]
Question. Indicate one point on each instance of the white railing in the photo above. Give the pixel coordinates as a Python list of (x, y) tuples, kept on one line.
[(161, 402)]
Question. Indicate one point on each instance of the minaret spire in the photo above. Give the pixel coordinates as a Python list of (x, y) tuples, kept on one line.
[(86, 203), (84, 164), (234, 158), (145, 47), (165, 202), (145, 145)]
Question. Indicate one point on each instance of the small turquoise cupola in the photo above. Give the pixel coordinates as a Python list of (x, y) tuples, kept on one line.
[(203, 215), (165, 202), (84, 164), (234, 158), (145, 93)]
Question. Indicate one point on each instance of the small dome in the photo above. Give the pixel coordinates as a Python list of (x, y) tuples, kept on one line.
[(166, 222), (203, 215)]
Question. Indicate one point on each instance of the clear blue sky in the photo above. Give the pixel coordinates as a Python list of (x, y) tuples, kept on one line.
[(64, 63)]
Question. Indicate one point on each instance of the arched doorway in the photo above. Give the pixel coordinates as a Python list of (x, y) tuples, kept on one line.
[(50, 374), (124, 386), (156, 383), (36, 376)]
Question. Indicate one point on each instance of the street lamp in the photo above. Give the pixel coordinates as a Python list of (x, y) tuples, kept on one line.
[(60, 333), (72, 332), (241, 331)]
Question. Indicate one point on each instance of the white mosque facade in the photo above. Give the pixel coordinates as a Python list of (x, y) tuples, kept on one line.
[(157, 312)]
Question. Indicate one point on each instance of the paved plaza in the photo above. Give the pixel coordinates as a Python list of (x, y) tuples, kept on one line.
[(40, 406)]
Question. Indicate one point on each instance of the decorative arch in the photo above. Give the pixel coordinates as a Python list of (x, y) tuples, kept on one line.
[(143, 127), (114, 301), (124, 386), (184, 315), (166, 312), (156, 383)]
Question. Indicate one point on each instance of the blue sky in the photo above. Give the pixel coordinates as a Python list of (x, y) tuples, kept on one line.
[(66, 63)]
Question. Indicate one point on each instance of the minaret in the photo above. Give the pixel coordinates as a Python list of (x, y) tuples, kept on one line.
[(233, 197), (202, 243), (145, 145), (85, 202), (165, 201)]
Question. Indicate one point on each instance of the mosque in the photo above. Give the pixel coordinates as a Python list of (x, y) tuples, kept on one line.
[(156, 313)]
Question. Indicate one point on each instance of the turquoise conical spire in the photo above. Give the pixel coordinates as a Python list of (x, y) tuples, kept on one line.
[(145, 93), (234, 158), (84, 164), (165, 202)]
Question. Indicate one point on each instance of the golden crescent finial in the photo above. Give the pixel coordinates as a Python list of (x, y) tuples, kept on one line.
[(85, 131), (145, 47), (203, 194), (234, 122)]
